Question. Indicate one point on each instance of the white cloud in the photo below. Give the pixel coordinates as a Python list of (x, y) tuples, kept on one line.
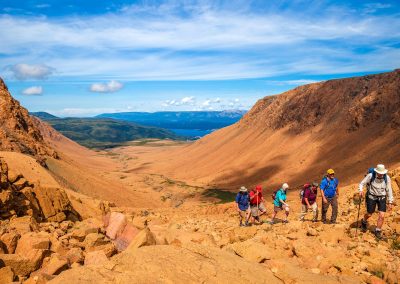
[(33, 91), (186, 101), (24, 71), (110, 87)]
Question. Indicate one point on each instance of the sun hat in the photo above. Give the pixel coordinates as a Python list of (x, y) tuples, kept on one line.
[(285, 186), (243, 189), (315, 184), (380, 169), (330, 171)]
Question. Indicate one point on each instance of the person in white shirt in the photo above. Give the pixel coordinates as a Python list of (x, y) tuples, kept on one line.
[(379, 190)]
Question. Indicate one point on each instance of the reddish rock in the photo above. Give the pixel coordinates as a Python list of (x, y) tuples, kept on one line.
[(32, 241), (24, 265), (144, 238), (116, 225), (74, 255), (126, 237)]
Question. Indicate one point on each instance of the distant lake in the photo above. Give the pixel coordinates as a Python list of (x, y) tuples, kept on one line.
[(192, 133)]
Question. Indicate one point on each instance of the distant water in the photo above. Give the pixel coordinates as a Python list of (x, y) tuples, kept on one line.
[(192, 133)]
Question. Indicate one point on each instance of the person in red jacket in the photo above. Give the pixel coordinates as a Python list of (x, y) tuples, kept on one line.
[(257, 203)]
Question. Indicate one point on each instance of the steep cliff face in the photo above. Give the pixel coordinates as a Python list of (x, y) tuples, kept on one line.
[(352, 103), (348, 124), (18, 132)]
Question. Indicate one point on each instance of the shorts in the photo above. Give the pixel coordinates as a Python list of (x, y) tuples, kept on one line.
[(254, 211), (373, 201), (279, 208), (243, 213)]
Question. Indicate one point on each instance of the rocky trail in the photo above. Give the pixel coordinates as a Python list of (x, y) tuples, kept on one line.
[(56, 238)]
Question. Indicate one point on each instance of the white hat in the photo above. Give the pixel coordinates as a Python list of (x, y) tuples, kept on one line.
[(285, 186), (243, 189), (380, 169)]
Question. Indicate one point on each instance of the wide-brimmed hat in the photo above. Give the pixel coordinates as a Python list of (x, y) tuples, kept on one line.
[(243, 189), (315, 184), (380, 169), (285, 186)]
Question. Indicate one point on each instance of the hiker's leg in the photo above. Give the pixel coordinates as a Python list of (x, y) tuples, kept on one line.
[(303, 212), (381, 218), (314, 207), (334, 203), (262, 209), (325, 207), (240, 217), (286, 212), (381, 209), (248, 215), (371, 205), (273, 216)]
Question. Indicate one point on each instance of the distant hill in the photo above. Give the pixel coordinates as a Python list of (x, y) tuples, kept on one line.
[(202, 120), (43, 115), (105, 132), (345, 124)]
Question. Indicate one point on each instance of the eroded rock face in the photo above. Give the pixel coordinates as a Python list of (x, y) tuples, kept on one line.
[(19, 197), (17, 130)]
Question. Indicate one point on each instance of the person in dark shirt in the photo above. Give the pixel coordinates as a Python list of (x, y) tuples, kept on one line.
[(242, 206), (309, 201)]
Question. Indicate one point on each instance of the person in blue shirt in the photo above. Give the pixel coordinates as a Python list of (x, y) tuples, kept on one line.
[(330, 192), (242, 205), (280, 203)]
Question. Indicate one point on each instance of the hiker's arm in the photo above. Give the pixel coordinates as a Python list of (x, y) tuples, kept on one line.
[(308, 203), (323, 196), (337, 191), (365, 180)]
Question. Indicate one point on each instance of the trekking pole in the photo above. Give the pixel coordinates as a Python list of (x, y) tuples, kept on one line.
[(358, 214)]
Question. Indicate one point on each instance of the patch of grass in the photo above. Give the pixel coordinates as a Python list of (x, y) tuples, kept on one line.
[(395, 243), (378, 273), (223, 195)]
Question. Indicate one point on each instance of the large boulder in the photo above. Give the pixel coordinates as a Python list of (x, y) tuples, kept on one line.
[(23, 265), (6, 275), (251, 250), (144, 238)]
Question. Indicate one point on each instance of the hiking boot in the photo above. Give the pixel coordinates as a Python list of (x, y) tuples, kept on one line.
[(271, 222), (364, 225), (314, 221), (378, 234), (325, 222), (285, 221)]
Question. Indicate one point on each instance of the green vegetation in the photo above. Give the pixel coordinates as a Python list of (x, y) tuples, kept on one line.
[(224, 196), (103, 133)]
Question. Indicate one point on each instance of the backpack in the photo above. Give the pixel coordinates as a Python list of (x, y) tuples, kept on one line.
[(273, 195), (303, 190), (329, 183), (372, 171)]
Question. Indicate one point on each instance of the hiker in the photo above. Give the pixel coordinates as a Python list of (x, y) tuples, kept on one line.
[(280, 203), (309, 201), (257, 203), (330, 192), (242, 204), (379, 188)]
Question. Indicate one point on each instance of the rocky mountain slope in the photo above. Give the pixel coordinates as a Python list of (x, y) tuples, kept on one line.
[(18, 132), (347, 124)]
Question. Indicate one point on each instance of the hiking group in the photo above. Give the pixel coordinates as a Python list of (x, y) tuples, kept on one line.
[(250, 205)]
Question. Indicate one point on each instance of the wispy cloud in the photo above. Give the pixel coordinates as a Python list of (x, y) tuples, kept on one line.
[(185, 40), (33, 91), (24, 71), (110, 87)]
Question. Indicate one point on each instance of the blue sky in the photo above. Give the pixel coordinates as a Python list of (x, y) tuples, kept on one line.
[(82, 58)]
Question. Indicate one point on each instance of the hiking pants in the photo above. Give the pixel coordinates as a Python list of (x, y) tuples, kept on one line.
[(314, 208), (333, 202)]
